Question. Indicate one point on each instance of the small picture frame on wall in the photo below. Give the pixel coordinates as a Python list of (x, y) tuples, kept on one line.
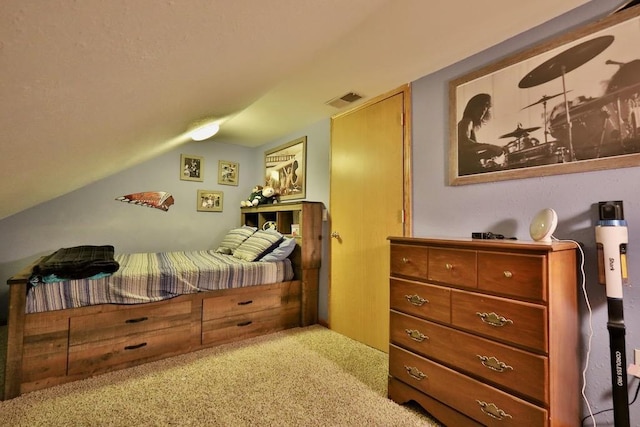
[(210, 201), (191, 168), (228, 172)]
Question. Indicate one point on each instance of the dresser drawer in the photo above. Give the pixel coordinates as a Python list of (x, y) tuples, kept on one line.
[(520, 323), (420, 299), (521, 276), (407, 260), (129, 321), (453, 266), (523, 372), (233, 328), (234, 304), (123, 351), (475, 399)]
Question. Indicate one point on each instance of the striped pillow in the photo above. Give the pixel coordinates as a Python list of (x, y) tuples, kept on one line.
[(234, 238), (257, 244)]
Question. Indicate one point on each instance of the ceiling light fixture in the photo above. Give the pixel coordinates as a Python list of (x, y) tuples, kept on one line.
[(204, 131)]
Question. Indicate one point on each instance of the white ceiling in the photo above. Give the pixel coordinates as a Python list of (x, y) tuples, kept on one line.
[(91, 87)]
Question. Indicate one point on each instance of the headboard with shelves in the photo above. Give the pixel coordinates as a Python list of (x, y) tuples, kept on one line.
[(307, 256)]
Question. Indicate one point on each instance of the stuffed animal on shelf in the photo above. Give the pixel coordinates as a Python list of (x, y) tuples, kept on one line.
[(261, 195)]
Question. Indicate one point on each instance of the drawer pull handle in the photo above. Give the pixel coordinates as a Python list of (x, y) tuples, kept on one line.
[(416, 335), (448, 266), (247, 323), (508, 274), (416, 300), (493, 319), (405, 260), (493, 363), (245, 302), (136, 320), (136, 346), (493, 411), (415, 373)]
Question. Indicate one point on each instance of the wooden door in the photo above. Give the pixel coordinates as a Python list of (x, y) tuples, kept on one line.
[(368, 201)]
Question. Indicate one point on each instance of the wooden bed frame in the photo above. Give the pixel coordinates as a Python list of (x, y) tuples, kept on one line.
[(56, 347)]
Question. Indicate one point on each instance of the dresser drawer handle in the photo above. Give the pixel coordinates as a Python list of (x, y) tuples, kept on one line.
[(508, 274), (136, 346), (493, 363), (415, 373), (448, 266), (493, 411), (405, 260), (245, 302), (416, 335), (416, 300), (247, 323), (136, 320), (493, 319)]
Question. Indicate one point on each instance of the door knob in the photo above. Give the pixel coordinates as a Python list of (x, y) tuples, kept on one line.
[(335, 234)]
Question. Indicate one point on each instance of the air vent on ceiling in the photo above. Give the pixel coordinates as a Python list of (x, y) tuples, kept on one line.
[(343, 100)]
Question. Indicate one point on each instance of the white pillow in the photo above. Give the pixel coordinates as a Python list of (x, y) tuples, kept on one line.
[(282, 251)]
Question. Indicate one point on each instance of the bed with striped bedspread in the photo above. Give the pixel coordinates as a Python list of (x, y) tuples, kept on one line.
[(149, 277)]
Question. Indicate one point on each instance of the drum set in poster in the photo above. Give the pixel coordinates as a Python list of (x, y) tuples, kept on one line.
[(583, 128)]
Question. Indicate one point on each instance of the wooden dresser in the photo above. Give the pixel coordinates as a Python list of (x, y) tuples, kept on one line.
[(485, 332)]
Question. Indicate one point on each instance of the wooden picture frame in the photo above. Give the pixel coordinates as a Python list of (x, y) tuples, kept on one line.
[(568, 105), (210, 201), (286, 169), (228, 172), (191, 168)]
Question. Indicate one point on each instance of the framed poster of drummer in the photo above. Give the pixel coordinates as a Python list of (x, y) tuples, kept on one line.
[(569, 105)]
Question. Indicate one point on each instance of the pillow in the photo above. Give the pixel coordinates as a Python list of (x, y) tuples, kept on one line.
[(282, 251), (257, 244), (234, 238)]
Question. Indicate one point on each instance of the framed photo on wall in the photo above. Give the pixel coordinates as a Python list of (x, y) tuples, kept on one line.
[(210, 201), (568, 105), (286, 169), (191, 168), (228, 172)]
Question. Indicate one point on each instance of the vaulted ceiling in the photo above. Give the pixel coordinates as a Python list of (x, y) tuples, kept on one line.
[(91, 87)]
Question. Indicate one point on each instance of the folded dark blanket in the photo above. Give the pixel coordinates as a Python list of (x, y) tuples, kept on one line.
[(78, 262)]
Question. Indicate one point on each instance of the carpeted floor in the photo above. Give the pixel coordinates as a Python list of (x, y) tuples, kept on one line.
[(301, 377)]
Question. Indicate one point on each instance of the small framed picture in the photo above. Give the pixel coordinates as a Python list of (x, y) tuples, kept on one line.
[(295, 229), (228, 172), (210, 201), (191, 168)]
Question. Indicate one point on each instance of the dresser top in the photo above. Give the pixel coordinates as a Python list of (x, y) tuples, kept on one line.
[(487, 244)]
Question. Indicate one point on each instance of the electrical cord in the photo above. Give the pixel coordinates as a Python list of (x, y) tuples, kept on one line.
[(589, 338), (583, 285)]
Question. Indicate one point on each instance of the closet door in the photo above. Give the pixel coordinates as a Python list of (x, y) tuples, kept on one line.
[(369, 193)]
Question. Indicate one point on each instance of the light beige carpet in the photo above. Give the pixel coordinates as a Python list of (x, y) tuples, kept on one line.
[(301, 377)]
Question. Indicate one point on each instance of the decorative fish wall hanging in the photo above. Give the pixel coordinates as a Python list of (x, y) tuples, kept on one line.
[(151, 199)]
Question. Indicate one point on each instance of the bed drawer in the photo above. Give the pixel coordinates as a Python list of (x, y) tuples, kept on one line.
[(507, 320), (420, 299), (407, 260), (239, 303), (475, 399), (248, 325), (123, 351), (520, 276), (453, 266), (502, 365), (128, 321)]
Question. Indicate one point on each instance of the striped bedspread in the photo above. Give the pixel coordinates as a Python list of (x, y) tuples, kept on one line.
[(149, 277)]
